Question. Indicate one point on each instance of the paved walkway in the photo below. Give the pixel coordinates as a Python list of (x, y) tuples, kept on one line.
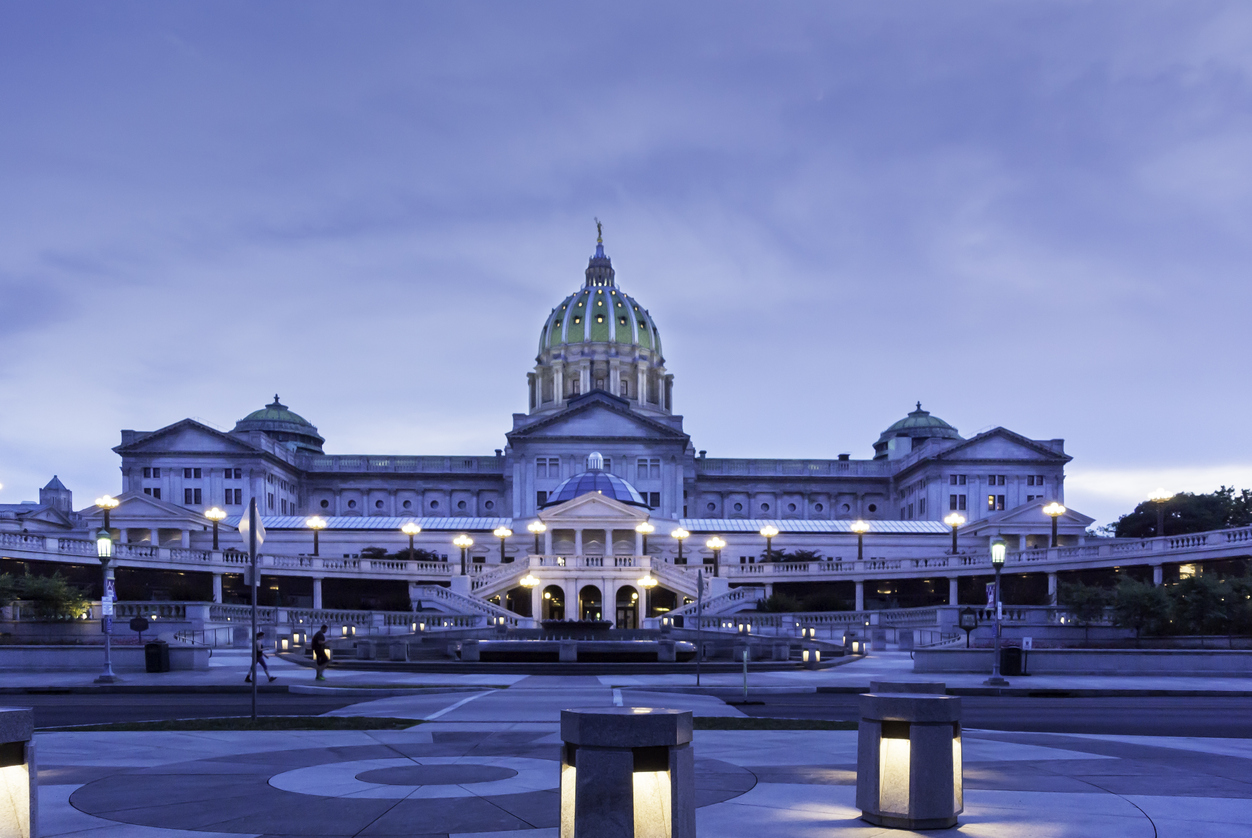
[(484, 764)]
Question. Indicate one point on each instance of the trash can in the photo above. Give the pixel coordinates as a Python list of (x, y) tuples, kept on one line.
[(156, 656), (1010, 661)]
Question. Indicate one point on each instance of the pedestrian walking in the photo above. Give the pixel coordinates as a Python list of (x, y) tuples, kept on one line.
[(320, 656), (258, 657)]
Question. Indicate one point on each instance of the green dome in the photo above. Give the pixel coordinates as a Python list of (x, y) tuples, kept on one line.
[(919, 424), (600, 313), (277, 422)]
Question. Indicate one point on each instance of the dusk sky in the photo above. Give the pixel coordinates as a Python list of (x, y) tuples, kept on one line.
[(1033, 215)]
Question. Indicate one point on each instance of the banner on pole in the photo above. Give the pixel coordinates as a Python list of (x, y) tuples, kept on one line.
[(991, 594)]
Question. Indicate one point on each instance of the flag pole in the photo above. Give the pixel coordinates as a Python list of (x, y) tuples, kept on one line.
[(252, 636)]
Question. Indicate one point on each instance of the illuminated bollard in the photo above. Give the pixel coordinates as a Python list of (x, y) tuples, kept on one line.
[(19, 781), (812, 657), (908, 760), (627, 772)]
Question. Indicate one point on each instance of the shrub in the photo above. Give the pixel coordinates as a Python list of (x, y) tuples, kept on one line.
[(1140, 606), (51, 596)]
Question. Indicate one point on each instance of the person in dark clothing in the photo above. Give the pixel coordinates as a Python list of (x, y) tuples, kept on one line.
[(258, 657), (320, 656)]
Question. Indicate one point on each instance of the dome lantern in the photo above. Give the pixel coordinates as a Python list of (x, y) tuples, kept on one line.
[(280, 424), (910, 433)]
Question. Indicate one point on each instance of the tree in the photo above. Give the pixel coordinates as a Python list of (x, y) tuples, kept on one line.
[(1140, 606), (1087, 604), (1202, 605), (51, 596), (1187, 512), (8, 589), (779, 604)]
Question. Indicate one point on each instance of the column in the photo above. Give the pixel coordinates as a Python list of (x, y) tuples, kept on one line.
[(547, 542), (1158, 575), (317, 592), (584, 377), (124, 535), (558, 384), (578, 542), (536, 601), (860, 595), (952, 595), (1052, 587), (643, 385), (217, 588), (615, 379), (639, 543), (184, 537)]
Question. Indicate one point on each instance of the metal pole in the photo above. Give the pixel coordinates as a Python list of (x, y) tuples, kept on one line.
[(215, 535), (995, 662), (954, 539), (699, 620), (252, 557), (411, 548), (680, 552), (745, 674), (1054, 540), (108, 676), (860, 546), (314, 535)]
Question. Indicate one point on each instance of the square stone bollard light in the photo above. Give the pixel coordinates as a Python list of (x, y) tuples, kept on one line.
[(627, 772), (19, 781), (908, 760)]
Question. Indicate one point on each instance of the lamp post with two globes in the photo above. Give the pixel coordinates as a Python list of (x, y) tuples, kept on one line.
[(464, 542), (678, 535), (537, 528), (411, 529), (216, 516), (954, 521), (1054, 510)]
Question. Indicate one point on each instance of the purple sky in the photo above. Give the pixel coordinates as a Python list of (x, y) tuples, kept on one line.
[(1033, 215)]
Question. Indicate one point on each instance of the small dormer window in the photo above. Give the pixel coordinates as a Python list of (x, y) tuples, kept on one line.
[(599, 319), (622, 320), (577, 320), (599, 302)]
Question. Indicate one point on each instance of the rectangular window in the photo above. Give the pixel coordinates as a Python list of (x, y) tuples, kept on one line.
[(541, 498), (239, 474), (282, 504), (960, 502), (239, 497), (960, 480), (1000, 480), (952, 502), (149, 493), (156, 472), (574, 386), (271, 501), (991, 503), (197, 473), (187, 496), (999, 502), (156, 493), (921, 507), (186, 474), (608, 463), (654, 499), (649, 467), (952, 480), (625, 390), (147, 472), (1030, 480), (1038, 479)]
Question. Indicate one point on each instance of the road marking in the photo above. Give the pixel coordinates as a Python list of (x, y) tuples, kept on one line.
[(460, 703), (617, 698)]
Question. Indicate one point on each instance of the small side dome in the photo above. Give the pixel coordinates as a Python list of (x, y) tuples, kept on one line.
[(595, 479), (277, 422), (905, 435)]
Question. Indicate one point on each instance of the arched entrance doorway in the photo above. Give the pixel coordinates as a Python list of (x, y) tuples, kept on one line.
[(590, 606), (627, 608), (553, 607)]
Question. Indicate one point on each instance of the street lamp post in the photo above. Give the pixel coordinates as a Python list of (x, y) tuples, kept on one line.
[(997, 561), (104, 551), (860, 528), (215, 515), (317, 524), (716, 544), (538, 528), (678, 535), (464, 542), (769, 531), (1160, 497), (502, 533), (108, 503), (954, 521), (648, 582), (1055, 511), (411, 529), (644, 528)]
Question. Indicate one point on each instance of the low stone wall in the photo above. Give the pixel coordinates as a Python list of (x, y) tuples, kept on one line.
[(91, 658), (1166, 662)]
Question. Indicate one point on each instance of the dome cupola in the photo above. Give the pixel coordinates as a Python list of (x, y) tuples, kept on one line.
[(595, 479), (910, 432), (278, 423), (600, 338)]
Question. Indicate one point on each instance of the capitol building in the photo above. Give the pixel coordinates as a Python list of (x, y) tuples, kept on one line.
[(599, 468)]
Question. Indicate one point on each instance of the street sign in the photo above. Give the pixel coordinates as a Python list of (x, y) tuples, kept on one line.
[(106, 607), (106, 625), (110, 588), (1028, 643)]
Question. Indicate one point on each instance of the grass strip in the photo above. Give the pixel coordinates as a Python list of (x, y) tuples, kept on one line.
[(246, 723), (759, 723)]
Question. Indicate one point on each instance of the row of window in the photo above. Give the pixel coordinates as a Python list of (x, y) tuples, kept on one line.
[(918, 510), (154, 473)]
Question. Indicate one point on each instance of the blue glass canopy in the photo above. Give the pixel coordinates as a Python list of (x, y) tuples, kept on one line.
[(595, 480)]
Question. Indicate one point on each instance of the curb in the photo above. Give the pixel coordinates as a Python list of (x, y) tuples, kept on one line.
[(378, 692)]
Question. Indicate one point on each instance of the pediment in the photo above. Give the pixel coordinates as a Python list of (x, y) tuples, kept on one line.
[(598, 420), (186, 436), (1002, 444), (593, 506), (136, 508)]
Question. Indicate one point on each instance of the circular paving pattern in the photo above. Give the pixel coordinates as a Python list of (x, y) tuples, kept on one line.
[(436, 775)]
